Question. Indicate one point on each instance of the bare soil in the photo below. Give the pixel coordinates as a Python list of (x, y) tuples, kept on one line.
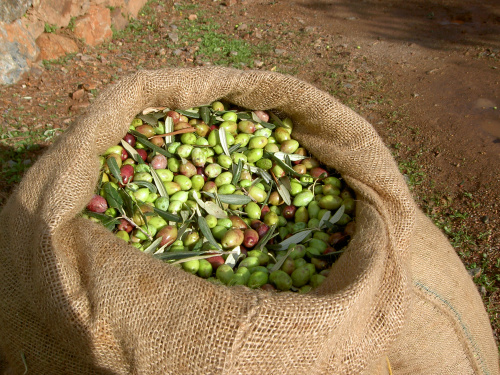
[(424, 73)]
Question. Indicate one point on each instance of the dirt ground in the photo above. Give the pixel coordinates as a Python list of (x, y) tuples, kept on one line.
[(424, 73)]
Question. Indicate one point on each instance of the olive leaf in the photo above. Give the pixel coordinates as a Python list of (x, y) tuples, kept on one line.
[(213, 209), (191, 114), (293, 157), (295, 239), (267, 237), (131, 151), (108, 221), (150, 118), (114, 169), (279, 263), (205, 114), (147, 184), (338, 215), (144, 141), (237, 168), (205, 230), (282, 164), (233, 256), (167, 215), (324, 218), (263, 123), (223, 141), (158, 182), (234, 147), (276, 119), (231, 198), (284, 193), (154, 245), (113, 197), (169, 128), (128, 202)]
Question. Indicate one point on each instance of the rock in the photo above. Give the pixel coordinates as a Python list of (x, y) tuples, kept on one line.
[(258, 63), (95, 26), (78, 94), (53, 46), (192, 17), (280, 51), (17, 50), (173, 36), (33, 23), (11, 10), (131, 7), (59, 12), (118, 20)]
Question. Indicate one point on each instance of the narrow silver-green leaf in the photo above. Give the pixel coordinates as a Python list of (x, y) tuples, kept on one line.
[(282, 164), (263, 123), (169, 128), (223, 141), (280, 262), (154, 245), (158, 182), (131, 151), (325, 218), (237, 168), (128, 202), (144, 141), (147, 184), (284, 193), (232, 257), (213, 209), (205, 114), (267, 237), (276, 119), (191, 114), (231, 198), (205, 230), (295, 239), (114, 169), (112, 196), (337, 215), (168, 216), (293, 157), (149, 119)]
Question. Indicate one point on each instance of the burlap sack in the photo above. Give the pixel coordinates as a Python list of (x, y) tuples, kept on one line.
[(77, 300)]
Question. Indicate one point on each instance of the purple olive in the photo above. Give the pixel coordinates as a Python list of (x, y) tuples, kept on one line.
[(127, 173), (159, 161), (130, 139), (97, 204), (251, 237)]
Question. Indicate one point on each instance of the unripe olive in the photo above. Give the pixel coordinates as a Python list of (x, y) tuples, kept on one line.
[(257, 279), (247, 127), (253, 155), (330, 202), (205, 268), (168, 235), (224, 161), (300, 276), (303, 198), (198, 157), (242, 139), (162, 203), (171, 187), (253, 210), (289, 146), (257, 193), (257, 142), (223, 178), (224, 273)]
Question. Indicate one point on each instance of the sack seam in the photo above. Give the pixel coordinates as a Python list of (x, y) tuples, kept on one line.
[(445, 303)]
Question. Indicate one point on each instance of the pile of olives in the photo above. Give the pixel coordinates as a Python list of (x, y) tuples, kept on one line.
[(228, 195)]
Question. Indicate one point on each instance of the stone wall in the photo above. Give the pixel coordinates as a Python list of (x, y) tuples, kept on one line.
[(23, 41)]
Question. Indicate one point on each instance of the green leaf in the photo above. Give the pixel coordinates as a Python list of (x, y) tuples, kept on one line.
[(296, 238), (279, 263), (205, 114), (150, 118), (167, 215), (293, 157), (337, 215), (132, 152), (223, 141), (154, 245), (114, 169), (264, 240), (191, 114), (147, 184), (128, 202), (324, 218), (205, 230), (158, 182), (263, 123), (113, 197), (169, 128), (232, 257), (284, 193), (231, 198), (276, 119), (237, 168), (144, 141), (234, 147), (282, 164), (108, 221)]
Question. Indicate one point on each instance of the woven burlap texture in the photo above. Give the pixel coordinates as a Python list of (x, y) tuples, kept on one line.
[(77, 300)]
